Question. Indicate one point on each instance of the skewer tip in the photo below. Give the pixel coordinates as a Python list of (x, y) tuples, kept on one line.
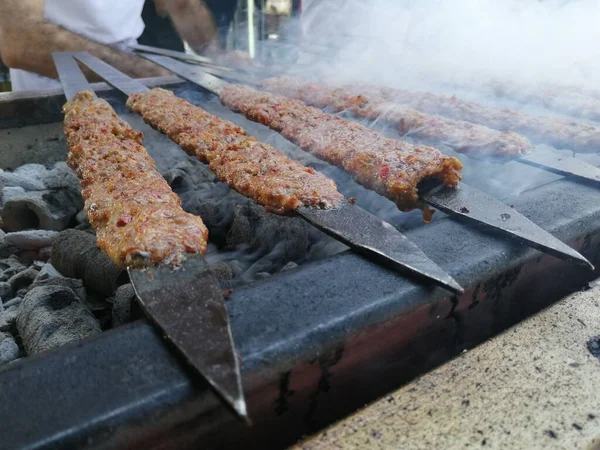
[(452, 284), (588, 264), (240, 408)]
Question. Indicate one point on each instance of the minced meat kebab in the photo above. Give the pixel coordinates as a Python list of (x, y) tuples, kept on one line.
[(252, 168), (464, 137), (555, 131), (390, 167), (137, 217)]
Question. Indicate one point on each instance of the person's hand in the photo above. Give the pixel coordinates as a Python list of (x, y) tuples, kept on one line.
[(192, 20)]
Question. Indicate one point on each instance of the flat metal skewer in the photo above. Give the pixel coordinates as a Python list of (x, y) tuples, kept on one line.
[(348, 223), (559, 164), (481, 207), (185, 302)]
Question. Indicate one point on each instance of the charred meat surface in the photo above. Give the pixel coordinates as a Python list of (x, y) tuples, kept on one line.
[(137, 217), (464, 137), (390, 167), (252, 168)]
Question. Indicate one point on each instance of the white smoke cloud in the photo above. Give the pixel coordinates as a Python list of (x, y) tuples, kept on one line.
[(396, 42)]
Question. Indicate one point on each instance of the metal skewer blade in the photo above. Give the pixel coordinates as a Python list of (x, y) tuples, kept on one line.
[(211, 66), (190, 73), (386, 243), (196, 59), (172, 53), (466, 202), (482, 208), (364, 232), (228, 74), (118, 79), (568, 166), (186, 303), (70, 75)]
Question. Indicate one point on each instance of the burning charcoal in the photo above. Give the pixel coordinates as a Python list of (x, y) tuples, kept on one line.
[(44, 254), (31, 239), (13, 270), (49, 209), (235, 267), (52, 316), (23, 279), (4, 326), (14, 302), (81, 218), (189, 174), (9, 350), (12, 262), (268, 232), (32, 171), (289, 266), (123, 305), (60, 177), (5, 290), (222, 271), (216, 204), (35, 177), (9, 192), (7, 249), (75, 255), (202, 194), (75, 285), (9, 317), (47, 271), (22, 180)]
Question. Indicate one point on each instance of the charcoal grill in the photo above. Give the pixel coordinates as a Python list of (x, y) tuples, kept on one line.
[(315, 342)]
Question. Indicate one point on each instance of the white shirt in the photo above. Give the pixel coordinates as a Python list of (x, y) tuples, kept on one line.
[(117, 23)]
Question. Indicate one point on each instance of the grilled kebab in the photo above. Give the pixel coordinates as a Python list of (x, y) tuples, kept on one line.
[(137, 217), (465, 137), (567, 99), (555, 131), (254, 169), (390, 167)]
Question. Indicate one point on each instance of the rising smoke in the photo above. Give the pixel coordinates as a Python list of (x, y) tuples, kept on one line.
[(403, 43)]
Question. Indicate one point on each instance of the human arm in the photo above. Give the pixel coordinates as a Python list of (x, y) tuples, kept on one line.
[(27, 41), (194, 22)]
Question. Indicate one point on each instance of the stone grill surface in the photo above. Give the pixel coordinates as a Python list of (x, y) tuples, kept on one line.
[(337, 324)]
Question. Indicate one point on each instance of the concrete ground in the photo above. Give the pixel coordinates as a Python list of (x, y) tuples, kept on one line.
[(536, 386)]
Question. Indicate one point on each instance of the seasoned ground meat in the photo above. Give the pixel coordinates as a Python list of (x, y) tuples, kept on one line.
[(390, 167), (554, 131), (254, 169), (137, 218), (464, 137)]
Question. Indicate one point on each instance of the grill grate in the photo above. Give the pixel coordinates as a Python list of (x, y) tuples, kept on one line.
[(315, 342)]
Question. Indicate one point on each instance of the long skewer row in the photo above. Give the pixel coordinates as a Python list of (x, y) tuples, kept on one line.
[(365, 155), (475, 130), (472, 129), (394, 172), (270, 178)]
